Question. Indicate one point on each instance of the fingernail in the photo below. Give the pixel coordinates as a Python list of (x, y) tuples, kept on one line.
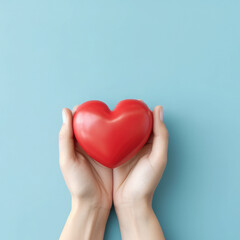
[(161, 114), (64, 117)]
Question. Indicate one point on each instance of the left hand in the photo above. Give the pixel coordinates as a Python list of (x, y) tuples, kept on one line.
[(136, 180)]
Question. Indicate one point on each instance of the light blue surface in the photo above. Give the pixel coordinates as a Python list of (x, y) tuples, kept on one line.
[(184, 55)]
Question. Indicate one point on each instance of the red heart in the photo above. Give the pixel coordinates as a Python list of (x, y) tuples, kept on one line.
[(112, 137)]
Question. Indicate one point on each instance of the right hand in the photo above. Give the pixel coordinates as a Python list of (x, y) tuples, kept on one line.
[(88, 181)]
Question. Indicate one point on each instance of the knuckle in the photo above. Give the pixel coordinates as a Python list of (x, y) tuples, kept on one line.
[(61, 134), (164, 160), (165, 133), (62, 163)]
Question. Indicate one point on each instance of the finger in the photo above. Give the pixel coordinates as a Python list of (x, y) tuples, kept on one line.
[(66, 140), (78, 148), (74, 109), (158, 155)]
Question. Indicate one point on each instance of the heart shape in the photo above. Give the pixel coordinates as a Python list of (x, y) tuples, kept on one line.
[(112, 137)]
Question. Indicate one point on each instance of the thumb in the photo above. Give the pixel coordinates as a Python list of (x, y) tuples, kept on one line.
[(158, 155), (66, 140)]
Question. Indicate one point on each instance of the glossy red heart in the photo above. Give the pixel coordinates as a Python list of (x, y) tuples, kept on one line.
[(112, 137)]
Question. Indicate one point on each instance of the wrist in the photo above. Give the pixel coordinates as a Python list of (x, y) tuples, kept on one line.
[(138, 221), (132, 220), (133, 203), (90, 210), (134, 210), (86, 219), (89, 204)]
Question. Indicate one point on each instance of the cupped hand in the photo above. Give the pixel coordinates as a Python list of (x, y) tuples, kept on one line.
[(136, 180), (87, 180)]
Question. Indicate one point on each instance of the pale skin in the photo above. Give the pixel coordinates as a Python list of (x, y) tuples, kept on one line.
[(130, 187)]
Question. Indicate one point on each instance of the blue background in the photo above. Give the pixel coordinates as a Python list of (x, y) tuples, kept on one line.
[(184, 55)]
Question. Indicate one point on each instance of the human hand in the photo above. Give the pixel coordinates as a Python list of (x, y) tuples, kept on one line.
[(89, 183), (135, 182)]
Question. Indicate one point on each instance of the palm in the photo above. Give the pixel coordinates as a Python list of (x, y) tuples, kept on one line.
[(137, 179), (134, 179), (91, 180)]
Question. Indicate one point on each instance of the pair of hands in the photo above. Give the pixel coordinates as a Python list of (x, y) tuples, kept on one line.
[(129, 186)]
